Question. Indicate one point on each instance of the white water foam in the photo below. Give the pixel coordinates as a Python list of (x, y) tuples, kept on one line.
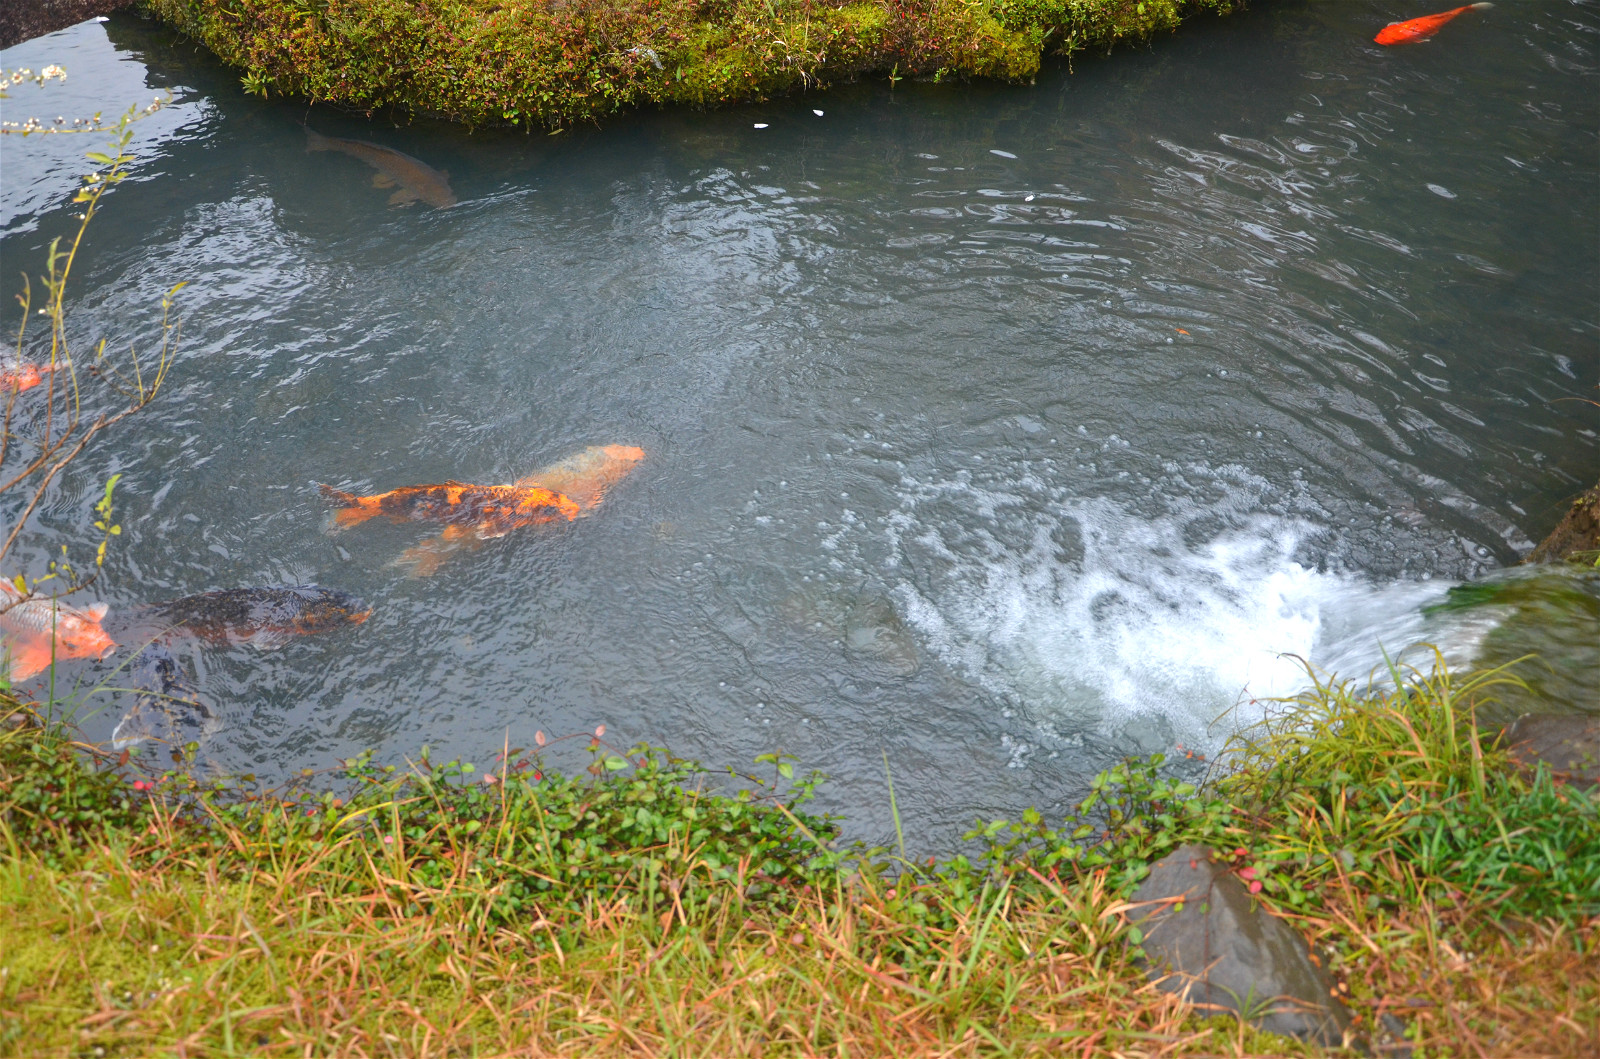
[(1178, 624)]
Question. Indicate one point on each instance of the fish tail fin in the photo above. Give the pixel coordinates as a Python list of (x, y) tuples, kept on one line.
[(424, 559), (352, 510), (1480, 5)]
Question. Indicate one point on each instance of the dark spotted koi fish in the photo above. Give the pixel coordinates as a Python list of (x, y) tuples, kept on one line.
[(262, 617)]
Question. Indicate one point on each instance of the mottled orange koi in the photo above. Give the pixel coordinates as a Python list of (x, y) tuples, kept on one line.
[(482, 511), (475, 513)]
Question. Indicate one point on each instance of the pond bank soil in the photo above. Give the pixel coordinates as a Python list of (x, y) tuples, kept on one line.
[(1576, 534), (22, 20), (555, 62)]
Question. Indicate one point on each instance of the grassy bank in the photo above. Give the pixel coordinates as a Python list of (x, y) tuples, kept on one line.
[(636, 909), (552, 63)]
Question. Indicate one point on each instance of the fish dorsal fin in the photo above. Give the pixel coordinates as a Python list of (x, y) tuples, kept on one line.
[(97, 611)]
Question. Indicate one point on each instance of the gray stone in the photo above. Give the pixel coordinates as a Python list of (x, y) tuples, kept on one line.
[(1568, 743), (1205, 939)]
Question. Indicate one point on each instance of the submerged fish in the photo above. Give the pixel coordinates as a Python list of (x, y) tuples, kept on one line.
[(585, 476), (483, 510), (262, 617), (168, 708), (42, 630), (1417, 30), (476, 513), (416, 179), (21, 377), (471, 513)]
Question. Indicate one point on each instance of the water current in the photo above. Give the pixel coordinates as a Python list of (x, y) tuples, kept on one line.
[(1001, 430)]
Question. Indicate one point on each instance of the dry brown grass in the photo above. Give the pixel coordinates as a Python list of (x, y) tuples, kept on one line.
[(110, 959)]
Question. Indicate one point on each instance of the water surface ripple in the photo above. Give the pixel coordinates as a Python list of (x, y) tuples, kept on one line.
[(1006, 430)]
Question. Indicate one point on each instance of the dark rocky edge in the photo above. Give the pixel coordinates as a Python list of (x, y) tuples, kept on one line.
[(22, 20), (1576, 536)]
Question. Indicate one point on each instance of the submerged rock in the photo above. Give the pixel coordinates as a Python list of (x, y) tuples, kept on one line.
[(22, 20), (1206, 940), (1569, 744), (877, 640)]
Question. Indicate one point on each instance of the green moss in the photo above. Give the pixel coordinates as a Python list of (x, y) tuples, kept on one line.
[(556, 62)]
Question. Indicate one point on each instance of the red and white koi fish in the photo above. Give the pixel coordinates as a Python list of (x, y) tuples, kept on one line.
[(1417, 30), (42, 630)]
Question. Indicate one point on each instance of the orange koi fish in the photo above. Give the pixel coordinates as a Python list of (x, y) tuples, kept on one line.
[(1417, 30), (476, 513), (21, 377), (40, 631)]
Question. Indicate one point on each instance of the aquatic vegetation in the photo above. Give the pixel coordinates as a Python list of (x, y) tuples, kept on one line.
[(556, 63), (41, 434), (636, 904)]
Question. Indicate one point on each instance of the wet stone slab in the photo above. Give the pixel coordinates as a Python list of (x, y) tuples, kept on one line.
[(1207, 940), (1569, 744)]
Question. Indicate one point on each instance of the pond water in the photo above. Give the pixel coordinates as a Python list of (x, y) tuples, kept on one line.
[(1001, 431)]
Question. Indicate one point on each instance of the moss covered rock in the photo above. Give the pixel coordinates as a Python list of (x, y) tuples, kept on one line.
[(555, 62)]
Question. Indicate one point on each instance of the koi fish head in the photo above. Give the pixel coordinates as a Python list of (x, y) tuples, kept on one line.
[(323, 609), (25, 376), (629, 454), (79, 635), (585, 476)]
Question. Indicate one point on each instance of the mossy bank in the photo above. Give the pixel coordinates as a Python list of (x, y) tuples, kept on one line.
[(553, 63)]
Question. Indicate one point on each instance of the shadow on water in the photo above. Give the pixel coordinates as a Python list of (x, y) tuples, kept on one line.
[(1005, 429)]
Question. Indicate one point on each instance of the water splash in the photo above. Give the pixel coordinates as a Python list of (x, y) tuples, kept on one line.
[(1176, 623)]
